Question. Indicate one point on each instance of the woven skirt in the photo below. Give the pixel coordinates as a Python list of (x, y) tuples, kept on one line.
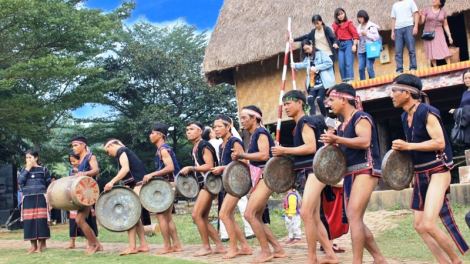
[(35, 215)]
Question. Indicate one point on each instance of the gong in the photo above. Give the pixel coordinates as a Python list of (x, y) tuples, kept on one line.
[(236, 179), (329, 164), (119, 209), (186, 185), (279, 174), (213, 183), (397, 169), (157, 195)]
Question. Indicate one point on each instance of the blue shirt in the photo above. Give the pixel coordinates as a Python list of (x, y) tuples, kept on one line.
[(35, 181)]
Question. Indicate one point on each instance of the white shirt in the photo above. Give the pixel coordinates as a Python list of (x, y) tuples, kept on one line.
[(403, 12)]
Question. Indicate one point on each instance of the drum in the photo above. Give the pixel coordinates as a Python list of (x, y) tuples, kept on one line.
[(329, 164), (119, 209), (186, 185), (397, 169), (72, 193), (157, 195), (279, 174), (213, 183), (236, 179)]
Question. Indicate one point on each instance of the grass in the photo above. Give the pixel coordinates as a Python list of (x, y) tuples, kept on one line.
[(10, 256), (187, 232), (404, 242)]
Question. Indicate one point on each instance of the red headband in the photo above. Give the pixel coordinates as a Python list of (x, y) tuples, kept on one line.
[(357, 99)]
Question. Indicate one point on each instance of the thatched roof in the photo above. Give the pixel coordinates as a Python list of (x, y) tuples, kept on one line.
[(253, 30)]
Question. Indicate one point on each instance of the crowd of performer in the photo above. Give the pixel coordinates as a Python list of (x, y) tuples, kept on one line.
[(356, 136)]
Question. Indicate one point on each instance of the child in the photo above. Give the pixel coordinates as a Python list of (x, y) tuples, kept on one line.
[(292, 206)]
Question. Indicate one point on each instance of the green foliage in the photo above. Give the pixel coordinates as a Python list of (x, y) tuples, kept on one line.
[(48, 48), (156, 77)]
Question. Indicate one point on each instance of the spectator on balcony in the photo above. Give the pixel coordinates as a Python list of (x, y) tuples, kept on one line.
[(368, 33), (320, 75), (347, 35), (434, 18), (405, 20), (322, 38)]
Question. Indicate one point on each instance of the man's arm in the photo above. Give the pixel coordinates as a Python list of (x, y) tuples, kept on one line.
[(437, 141)]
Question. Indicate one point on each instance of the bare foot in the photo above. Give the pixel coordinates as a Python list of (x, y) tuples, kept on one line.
[(31, 251), (164, 251), (329, 260), (143, 249), (202, 252), (177, 248), (70, 246), (245, 251), (231, 254), (279, 253), (38, 250), (220, 249), (91, 250), (128, 251), (263, 258)]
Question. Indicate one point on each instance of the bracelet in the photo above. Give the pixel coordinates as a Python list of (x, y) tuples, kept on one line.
[(193, 168), (240, 156)]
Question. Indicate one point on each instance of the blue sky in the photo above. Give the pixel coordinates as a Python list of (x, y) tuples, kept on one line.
[(201, 13)]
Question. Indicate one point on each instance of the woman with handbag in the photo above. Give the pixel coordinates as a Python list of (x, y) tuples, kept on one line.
[(368, 33), (434, 18), (320, 74), (460, 134)]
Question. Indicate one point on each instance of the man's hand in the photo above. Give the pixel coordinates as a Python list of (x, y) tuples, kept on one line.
[(186, 170), (278, 151), (147, 178), (400, 145), (218, 170), (108, 187), (328, 138)]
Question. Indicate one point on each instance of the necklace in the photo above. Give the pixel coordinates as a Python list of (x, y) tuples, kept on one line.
[(411, 108), (345, 123)]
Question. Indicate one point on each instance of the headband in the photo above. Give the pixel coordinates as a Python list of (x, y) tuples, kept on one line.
[(111, 142), (306, 107), (78, 142), (252, 112), (196, 126), (346, 96), (411, 89), (224, 121)]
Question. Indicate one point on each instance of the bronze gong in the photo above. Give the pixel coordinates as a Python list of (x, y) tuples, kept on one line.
[(119, 209), (157, 195), (397, 169), (329, 164), (279, 174), (186, 185), (213, 183), (236, 179)]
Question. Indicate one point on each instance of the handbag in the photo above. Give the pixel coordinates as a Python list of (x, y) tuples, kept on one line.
[(429, 35), (457, 135), (373, 49)]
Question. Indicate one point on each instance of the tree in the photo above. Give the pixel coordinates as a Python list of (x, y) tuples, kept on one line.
[(158, 72), (48, 48)]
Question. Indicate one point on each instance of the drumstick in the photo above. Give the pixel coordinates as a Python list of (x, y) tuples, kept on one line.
[(291, 47), (283, 84)]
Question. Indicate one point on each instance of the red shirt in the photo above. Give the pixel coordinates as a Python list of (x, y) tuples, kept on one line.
[(345, 31)]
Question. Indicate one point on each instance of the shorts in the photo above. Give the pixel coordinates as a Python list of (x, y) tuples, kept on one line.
[(420, 187), (349, 180)]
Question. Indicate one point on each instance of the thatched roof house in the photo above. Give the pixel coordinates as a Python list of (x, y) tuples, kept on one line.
[(252, 31)]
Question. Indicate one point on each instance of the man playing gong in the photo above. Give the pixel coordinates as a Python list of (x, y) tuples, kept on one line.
[(306, 133), (166, 168), (222, 127), (204, 158), (258, 154), (432, 156), (131, 172), (88, 166), (357, 138)]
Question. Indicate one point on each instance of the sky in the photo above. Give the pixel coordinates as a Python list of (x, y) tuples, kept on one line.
[(201, 13)]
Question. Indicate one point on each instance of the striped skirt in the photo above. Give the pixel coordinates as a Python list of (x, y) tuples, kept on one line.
[(35, 216)]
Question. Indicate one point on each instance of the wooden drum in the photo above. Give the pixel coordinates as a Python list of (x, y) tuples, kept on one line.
[(73, 193)]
